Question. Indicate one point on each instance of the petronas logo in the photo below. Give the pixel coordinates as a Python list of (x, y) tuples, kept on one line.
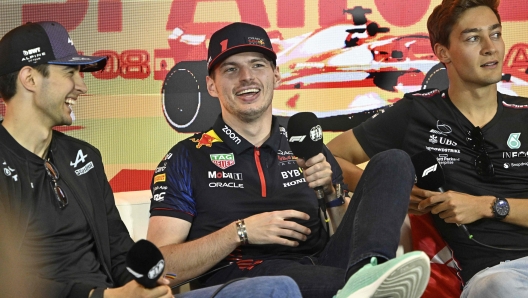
[(513, 140)]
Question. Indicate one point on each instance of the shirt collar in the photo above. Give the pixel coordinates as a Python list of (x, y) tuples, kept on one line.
[(239, 144)]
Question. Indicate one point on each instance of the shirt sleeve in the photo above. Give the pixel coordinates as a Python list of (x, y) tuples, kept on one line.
[(171, 186), (385, 130)]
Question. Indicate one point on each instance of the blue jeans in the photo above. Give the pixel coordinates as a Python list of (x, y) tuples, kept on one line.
[(257, 287), (508, 279), (370, 228)]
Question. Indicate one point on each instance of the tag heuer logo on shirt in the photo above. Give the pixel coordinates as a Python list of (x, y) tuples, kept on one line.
[(223, 161), (513, 141)]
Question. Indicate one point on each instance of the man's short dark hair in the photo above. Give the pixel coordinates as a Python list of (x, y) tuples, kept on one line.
[(8, 81), (444, 16)]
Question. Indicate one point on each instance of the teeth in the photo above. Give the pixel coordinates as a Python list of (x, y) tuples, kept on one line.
[(70, 101), (248, 91)]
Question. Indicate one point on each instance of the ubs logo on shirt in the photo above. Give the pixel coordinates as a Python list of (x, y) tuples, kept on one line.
[(433, 139)]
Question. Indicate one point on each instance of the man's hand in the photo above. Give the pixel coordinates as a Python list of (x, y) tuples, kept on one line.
[(417, 196), (133, 289), (456, 207), (317, 172), (272, 227)]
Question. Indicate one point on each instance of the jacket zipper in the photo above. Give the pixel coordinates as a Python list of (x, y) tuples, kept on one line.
[(96, 236), (261, 173)]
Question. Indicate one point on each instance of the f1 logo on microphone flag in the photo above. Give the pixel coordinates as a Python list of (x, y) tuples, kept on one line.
[(429, 170), (297, 138)]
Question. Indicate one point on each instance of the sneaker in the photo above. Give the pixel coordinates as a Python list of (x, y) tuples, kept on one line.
[(403, 277)]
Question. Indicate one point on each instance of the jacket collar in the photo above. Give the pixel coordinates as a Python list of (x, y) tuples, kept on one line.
[(17, 149)]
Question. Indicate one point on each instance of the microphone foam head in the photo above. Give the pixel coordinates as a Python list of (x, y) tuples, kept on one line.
[(305, 135), (429, 173), (145, 262)]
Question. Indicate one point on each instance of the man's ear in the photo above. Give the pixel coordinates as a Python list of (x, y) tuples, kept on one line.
[(277, 76), (442, 53), (27, 78), (211, 87)]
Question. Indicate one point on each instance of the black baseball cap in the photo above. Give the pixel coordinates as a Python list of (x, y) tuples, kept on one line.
[(33, 44), (237, 38)]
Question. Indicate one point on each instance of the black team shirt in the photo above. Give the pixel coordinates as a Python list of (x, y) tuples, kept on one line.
[(428, 120)]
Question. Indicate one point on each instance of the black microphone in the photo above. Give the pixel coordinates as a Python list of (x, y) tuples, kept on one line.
[(145, 262), (430, 176), (429, 173), (305, 137)]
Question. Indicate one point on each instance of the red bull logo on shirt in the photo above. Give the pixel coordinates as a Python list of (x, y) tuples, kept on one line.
[(206, 140)]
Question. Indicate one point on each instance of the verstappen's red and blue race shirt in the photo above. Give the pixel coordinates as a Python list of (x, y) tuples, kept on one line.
[(428, 120), (215, 178)]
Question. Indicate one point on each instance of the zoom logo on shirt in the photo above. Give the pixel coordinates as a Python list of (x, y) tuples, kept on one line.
[(231, 134)]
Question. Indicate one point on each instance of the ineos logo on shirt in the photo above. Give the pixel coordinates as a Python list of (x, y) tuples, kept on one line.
[(231, 135)]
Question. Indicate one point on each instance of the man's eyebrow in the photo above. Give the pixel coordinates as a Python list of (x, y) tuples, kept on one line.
[(473, 30), (229, 63)]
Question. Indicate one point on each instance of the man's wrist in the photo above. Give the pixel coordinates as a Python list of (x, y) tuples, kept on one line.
[(488, 211), (97, 293), (337, 199)]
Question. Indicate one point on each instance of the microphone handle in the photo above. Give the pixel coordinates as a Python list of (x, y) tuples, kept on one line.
[(461, 226)]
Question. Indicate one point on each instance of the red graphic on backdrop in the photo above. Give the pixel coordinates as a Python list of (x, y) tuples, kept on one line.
[(71, 13), (130, 64), (131, 180), (516, 62), (402, 13), (513, 10)]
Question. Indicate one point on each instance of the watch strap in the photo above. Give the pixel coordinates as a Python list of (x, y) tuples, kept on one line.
[(335, 203)]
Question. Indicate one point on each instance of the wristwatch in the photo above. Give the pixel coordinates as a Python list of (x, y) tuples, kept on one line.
[(339, 200), (500, 208)]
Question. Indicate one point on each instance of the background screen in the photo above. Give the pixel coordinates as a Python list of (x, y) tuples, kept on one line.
[(340, 59)]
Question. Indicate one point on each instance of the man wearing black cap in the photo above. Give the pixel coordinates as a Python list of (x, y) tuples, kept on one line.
[(236, 199), (66, 238)]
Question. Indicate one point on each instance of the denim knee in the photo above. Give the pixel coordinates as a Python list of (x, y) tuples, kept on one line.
[(497, 284), (393, 159)]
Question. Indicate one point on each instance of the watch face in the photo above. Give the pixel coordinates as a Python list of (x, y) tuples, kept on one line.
[(502, 208)]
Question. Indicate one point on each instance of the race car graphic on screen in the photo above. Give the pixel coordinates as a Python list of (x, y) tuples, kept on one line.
[(355, 54)]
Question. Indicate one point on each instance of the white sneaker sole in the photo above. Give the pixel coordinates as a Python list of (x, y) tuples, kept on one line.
[(406, 280)]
